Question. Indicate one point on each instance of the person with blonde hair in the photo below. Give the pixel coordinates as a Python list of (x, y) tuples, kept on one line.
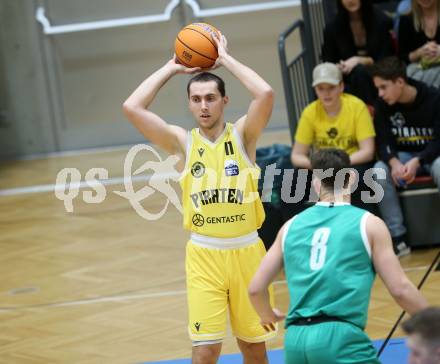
[(419, 41)]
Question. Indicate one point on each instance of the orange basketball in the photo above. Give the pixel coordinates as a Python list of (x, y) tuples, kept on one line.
[(195, 47)]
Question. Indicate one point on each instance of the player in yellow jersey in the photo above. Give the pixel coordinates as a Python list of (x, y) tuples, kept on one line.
[(220, 199)]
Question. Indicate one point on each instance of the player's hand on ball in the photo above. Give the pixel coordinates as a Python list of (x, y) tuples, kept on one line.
[(222, 48), (180, 68)]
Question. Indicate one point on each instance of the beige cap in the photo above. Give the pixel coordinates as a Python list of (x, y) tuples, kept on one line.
[(326, 73)]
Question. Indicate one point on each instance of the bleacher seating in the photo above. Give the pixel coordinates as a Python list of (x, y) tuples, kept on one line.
[(421, 200), (421, 209)]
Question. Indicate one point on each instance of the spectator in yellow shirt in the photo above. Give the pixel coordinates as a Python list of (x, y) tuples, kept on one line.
[(335, 120)]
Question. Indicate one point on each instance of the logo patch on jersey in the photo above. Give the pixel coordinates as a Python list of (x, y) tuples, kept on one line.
[(231, 168), (198, 220), (201, 151), (228, 148), (398, 120), (332, 133), (198, 169), (197, 325)]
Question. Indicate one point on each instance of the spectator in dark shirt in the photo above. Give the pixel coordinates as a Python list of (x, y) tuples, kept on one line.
[(419, 41), (357, 37), (407, 123)]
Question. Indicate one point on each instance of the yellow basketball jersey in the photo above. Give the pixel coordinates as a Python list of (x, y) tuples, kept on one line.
[(219, 187)]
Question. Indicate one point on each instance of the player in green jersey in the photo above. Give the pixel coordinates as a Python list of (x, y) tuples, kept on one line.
[(331, 253)]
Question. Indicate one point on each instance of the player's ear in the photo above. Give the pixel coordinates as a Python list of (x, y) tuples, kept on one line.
[(316, 183), (225, 100), (353, 175)]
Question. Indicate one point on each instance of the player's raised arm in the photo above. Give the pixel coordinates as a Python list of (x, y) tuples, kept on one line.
[(154, 128), (252, 124), (388, 267)]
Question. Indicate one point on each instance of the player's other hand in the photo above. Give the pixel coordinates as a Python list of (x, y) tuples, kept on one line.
[(177, 67), (222, 48), (269, 322)]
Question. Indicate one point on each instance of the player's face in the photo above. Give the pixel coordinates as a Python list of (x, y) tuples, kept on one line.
[(351, 6), (329, 94), (389, 91), (421, 352), (206, 104)]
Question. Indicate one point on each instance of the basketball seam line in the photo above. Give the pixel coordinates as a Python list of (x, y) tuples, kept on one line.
[(215, 46), (184, 63), (200, 54)]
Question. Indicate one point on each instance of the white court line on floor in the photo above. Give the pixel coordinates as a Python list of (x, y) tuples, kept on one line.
[(104, 149), (133, 297), (83, 184), (412, 269), (70, 153), (74, 152)]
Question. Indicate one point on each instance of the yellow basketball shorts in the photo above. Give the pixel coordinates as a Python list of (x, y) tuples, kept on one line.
[(217, 282)]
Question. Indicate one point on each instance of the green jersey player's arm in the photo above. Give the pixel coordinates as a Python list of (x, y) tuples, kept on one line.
[(270, 266), (388, 267)]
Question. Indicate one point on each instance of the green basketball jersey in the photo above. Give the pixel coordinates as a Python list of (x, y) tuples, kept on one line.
[(327, 260)]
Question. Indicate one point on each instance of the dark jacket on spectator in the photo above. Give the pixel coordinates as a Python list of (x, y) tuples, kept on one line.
[(339, 42), (411, 127), (410, 39)]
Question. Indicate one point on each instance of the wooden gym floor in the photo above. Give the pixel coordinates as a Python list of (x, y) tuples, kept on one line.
[(102, 284)]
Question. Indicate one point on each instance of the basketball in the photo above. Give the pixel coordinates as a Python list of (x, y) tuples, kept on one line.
[(195, 47)]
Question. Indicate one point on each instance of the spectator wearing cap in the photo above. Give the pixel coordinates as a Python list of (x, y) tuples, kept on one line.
[(335, 120)]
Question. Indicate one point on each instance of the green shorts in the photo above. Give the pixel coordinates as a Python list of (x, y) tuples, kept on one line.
[(332, 342)]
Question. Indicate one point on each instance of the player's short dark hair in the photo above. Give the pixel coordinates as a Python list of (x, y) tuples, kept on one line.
[(389, 68), (426, 323), (333, 159), (206, 77)]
